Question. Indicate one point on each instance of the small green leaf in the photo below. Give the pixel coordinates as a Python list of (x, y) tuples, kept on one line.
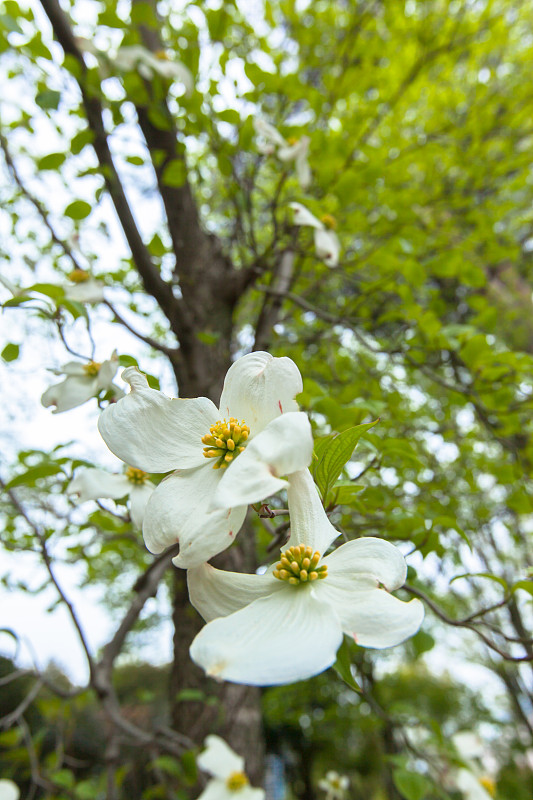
[(32, 475), (48, 100), (49, 289), (51, 161), (169, 765), (174, 174), (127, 361), (487, 575), (526, 585), (11, 352), (336, 454), (78, 209), (411, 785), (343, 667)]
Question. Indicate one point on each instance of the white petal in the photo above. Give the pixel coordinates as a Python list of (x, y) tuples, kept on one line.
[(92, 484), (217, 592), (177, 511), (286, 637), (172, 70), (295, 152), (372, 616), (72, 392), (303, 172), (216, 789), (127, 57), (90, 291), (71, 368), (468, 745), (327, 247), (8, 790), (302, 216), (107, 372), (375, 557), (258, 388), (268, 132), (139, 496), (470, 786), (284, 446), (219, 759), (149, 430), (309, 522)]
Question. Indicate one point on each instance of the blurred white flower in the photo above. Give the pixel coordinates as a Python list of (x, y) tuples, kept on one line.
[(83, 288), (288, 623), (287, 150), (93, 484), (229, 781), (82, 382), (149, 64), (472, 780), (8, 790), (334, 785), (327, 244)]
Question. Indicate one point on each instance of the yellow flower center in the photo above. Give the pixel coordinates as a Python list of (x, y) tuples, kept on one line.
[(299, 565), (292, 140), (225, 441), (236, 781), (92, 368), (79, 276), (329, 221), (161, 55), (137, 476), (488, 784)]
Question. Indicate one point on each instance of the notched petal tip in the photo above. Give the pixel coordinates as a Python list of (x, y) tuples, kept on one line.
[(135, 378)]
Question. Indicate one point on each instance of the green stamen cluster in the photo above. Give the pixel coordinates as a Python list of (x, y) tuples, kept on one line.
[(79, 276), (137, 476), (300, 565), (225, 441), (92, 368), (236, 781)]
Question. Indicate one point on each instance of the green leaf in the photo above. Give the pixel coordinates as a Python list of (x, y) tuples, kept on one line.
[(78, 209), (51, 161), (127, 361), (411, 785), (174, 174), (80, 140), (336, 454), (343, 667), (487, 575), (169, 765), (344, 492), (32, 475), (526, 585), (48, 100), (49, 289), (10, 352)]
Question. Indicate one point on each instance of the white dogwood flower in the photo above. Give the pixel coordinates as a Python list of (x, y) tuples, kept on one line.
[(229, 781), (286, 150), (327, 245), (222, 458), (8, 790), (94, 484), (287, 624), (82, 382), (149, 64), (334, 785), (471, 779), (82, 288)]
